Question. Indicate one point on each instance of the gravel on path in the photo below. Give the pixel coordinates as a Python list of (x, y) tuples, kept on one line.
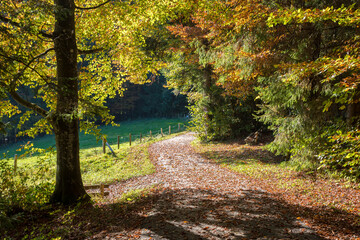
[(201, 200)]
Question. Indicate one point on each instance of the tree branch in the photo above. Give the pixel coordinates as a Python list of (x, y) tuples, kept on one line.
[(26, 28), (90, 51), (27, 65), (90, 8), (39, 56), (27, 104)]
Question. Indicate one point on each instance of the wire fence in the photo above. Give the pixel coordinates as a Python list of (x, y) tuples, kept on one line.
[(143, 137), (133, 138)]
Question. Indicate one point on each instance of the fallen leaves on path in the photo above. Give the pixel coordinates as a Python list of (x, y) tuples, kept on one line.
[(192, 197), (329, 206)]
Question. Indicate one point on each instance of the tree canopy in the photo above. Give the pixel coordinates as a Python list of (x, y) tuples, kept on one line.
[(297, 61), (289, 66), (74, 54)]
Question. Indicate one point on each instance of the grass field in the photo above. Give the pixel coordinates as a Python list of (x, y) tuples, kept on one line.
[(87, 141), (97, 167), (31, 185)]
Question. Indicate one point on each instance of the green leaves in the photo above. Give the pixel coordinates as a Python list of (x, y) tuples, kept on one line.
[(344, 154)]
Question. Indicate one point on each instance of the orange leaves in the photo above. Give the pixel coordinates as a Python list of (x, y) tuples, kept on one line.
[(186, 33)]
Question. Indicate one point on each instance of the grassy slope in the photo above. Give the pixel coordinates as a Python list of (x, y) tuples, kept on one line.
[(97, 167), (89, 141)]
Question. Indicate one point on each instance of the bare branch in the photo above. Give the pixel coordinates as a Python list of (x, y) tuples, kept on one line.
[(91, 51), (89, 8)]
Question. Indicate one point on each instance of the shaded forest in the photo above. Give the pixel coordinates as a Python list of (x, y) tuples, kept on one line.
[(150, 100)]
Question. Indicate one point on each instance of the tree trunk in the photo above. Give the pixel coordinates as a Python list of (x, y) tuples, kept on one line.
[(69, 188), (353, 112), (207, 71)]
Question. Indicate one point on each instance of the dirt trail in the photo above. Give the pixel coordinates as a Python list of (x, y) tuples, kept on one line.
[(201, 200)]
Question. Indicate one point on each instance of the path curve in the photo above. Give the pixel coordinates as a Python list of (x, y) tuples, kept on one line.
[(201, 200)]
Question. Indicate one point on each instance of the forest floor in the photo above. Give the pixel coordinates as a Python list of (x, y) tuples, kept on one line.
[(193, 197)]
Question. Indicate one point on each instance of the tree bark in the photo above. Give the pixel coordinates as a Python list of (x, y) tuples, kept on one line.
[(353, 111), (69, 188)]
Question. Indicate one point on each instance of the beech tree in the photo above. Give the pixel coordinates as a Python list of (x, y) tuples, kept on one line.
[(74, 54), (301, 59)]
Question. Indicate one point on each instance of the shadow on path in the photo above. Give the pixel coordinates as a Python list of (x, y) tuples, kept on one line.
[(199, 214)]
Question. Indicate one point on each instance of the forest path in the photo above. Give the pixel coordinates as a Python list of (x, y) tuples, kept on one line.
[(201, 200)]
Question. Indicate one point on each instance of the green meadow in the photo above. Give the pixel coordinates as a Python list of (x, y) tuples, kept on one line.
[(97, 167), (137, 127)]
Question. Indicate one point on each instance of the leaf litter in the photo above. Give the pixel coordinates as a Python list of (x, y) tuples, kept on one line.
[(192, 196)]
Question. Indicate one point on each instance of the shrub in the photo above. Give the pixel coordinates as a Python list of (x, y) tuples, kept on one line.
[(25, 189), (343, 153)]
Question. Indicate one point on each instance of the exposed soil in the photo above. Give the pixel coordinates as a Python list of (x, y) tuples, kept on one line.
[(198, 199)]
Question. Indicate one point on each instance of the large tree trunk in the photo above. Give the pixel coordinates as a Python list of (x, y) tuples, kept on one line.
[(69, 187)]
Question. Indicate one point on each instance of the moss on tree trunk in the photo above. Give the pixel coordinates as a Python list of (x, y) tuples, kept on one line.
[(69, 187)]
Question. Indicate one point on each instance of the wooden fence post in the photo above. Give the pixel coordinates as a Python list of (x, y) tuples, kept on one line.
[(169, 130), (118, 141), (178, 127), (140, 137), (162, 134), (150, 134), (130, 139), (102, 190), (104, 145), (15, 163)]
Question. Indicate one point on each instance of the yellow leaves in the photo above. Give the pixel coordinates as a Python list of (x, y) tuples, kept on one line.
[(342, 16), (7, 109)]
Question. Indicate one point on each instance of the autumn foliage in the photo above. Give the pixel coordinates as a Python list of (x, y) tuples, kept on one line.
[(298, 60)]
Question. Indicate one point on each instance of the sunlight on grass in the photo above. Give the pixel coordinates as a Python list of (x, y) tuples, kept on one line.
[(88, 141), (285, 177), (106, 168), (97, 167), (134, 195)]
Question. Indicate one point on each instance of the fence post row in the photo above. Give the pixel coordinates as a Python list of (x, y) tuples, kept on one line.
[(104, 141)]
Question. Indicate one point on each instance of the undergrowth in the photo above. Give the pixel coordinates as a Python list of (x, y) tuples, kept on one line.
[(29, 188)]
